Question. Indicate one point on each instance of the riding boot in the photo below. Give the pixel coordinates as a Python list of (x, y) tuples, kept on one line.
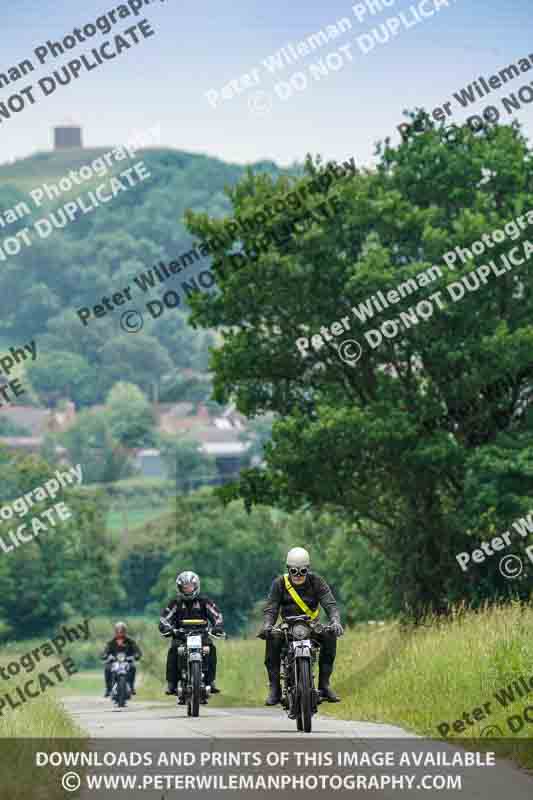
[(108, 682), (275, 688), (326, 692)]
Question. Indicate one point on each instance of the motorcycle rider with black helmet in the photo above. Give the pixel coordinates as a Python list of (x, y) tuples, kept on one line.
[(189, 604), (121, 643), (297, 592)]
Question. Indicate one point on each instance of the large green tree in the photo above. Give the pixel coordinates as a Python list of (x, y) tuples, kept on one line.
[(60, 374), (90, 442), (352, 438), (130, 415), (65, 570)]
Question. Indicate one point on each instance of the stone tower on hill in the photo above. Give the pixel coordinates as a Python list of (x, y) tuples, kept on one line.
[(67, 137)]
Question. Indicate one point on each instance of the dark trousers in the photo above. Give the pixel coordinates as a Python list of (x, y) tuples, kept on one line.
[(326, 659), (173, 667), (109, 676)]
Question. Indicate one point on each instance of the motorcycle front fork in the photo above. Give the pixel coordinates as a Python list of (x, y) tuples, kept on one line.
[(288, 688)]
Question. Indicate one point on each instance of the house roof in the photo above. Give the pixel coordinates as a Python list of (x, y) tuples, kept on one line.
[(224, 448), (28, 442), (35, 419), (208, 433)]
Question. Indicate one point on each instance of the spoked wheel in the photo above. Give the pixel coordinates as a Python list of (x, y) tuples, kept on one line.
[(122, 691), (305, 713), (196, 684)]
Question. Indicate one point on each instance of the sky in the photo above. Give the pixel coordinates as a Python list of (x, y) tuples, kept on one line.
[(200, 47)]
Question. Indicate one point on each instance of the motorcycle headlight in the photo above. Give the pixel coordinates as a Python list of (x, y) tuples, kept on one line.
[(301, 631), (121, 657)]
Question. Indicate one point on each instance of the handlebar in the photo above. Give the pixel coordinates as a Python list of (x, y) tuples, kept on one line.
[(115, 658), (315, 626)]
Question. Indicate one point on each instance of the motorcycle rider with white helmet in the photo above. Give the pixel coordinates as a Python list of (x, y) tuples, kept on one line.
[(300, 591), (189, 604)]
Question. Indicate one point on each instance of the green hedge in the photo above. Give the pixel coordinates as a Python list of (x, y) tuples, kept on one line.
[(143, 489)]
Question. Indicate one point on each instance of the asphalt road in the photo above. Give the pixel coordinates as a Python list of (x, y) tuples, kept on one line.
[(166, 720)]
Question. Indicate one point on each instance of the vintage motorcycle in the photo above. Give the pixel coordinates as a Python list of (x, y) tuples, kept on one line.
[(192, 688), (298, 657), (121, 689)]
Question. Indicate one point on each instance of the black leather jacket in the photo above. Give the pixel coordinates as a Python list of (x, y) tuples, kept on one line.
[(129, 647), (177, 610), (314, 592)]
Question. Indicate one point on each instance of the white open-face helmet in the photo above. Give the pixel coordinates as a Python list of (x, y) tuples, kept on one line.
[(188, 585), (298, 559)]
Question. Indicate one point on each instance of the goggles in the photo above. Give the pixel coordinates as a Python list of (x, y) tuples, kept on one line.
[(297, 572)]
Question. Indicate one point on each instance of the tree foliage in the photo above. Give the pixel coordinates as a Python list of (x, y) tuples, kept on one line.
[(130, 415), (90, 442), (65, 570), (352, 439), (98, 255)]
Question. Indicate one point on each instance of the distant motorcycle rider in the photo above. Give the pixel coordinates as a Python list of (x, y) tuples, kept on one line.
[(189, 604), (297, 592), (121, 643)]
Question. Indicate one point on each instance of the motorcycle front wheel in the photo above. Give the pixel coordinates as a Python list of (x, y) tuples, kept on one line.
[(122, 691), (304, 689), (196, 684)]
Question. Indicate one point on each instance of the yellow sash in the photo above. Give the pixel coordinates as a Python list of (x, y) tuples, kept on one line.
[(298, 600)]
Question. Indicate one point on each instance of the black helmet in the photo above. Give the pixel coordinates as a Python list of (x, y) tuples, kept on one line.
[(188, 585)]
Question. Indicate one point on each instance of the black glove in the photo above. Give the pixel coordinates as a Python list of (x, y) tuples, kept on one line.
[(265, 632), (337, 628), (218, 630)]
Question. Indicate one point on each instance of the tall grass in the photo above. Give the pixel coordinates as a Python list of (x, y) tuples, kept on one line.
[(413, 678), (416, 678), (26, 730)]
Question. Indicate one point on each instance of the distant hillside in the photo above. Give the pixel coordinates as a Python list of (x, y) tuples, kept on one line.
[(27, 173), (100, 253)]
